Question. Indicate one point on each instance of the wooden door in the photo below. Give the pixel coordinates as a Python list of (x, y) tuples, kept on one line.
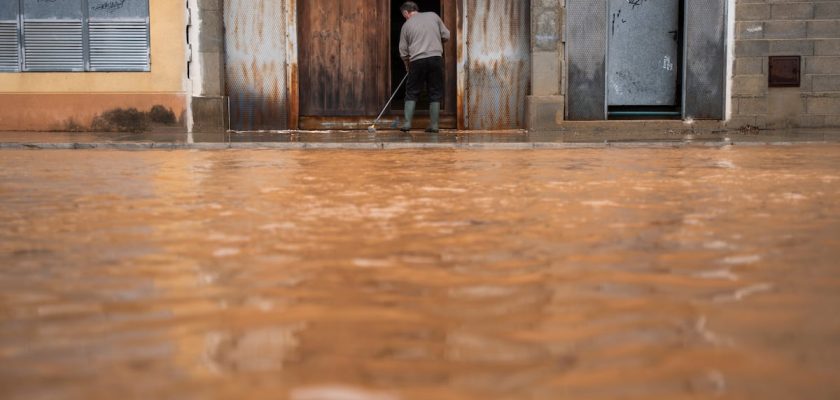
[(343, 57)]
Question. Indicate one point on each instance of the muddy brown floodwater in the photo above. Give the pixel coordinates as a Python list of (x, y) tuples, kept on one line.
[(421, 274)]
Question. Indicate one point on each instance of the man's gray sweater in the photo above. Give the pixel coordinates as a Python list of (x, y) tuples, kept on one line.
[(422, 37)]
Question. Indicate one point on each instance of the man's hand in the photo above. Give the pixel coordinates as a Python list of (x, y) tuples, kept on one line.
[(407, 64)]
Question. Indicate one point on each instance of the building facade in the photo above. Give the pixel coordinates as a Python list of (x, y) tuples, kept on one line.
[(807, 30), (66, 64), (755, 64), (332, 64)]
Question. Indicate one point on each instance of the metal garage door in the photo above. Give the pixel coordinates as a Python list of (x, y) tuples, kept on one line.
[(642, 53), (704, 54)]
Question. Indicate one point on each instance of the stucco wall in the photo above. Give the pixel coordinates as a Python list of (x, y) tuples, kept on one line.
[(810, 29), (52, 101)]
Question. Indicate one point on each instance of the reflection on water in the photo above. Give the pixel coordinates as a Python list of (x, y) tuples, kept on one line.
[(445, 274)]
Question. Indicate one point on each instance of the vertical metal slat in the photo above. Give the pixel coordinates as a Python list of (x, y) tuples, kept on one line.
[(586, 33), (705, 59)]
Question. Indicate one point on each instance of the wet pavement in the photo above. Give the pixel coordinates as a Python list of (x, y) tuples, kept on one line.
[(631, 273), (578, 134)]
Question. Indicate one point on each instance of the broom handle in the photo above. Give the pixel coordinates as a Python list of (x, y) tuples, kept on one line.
[(391, 99)]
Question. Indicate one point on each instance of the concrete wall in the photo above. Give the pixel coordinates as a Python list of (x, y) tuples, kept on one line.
[(810, 29), (208, 105), (546, 104), (62, 101)]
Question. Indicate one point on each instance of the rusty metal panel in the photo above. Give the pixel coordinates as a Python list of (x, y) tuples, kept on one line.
[(255, 64), (497, 60), (292, 79), (705, 59), (785, 71), (586, 47)]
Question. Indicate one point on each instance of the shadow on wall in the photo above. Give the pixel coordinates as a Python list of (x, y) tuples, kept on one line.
[(128, 120)]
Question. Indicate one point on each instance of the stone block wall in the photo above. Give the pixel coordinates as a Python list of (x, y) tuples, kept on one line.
[(810, 29)]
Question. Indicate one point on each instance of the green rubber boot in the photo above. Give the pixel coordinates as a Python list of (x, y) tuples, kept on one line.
[(409, 115), (434, 117)]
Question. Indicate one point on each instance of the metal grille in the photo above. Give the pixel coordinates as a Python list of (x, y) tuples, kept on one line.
[(705, 58), (53, 45), (255, 64), (119, 45), (9, 46), (586, 36), (498, 63)]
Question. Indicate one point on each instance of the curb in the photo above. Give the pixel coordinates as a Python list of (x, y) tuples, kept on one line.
[(133, 146)]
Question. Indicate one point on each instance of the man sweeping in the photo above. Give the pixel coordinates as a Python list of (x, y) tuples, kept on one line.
[(421, 48)]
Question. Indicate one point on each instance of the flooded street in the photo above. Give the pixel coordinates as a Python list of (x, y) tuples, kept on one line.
[(633, 273)]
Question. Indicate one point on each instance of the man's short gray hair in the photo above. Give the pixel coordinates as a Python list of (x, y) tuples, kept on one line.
[(409, 6)]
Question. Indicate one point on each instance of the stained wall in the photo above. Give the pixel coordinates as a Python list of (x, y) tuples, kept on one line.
[(37, 101)]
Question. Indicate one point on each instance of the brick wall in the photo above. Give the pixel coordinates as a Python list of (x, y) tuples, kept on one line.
[(810, 29)]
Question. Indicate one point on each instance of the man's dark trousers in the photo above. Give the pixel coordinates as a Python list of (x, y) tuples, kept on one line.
[(427, 71)]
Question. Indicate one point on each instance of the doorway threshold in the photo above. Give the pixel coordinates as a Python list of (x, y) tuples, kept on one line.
[(645, 114), (363, 122)]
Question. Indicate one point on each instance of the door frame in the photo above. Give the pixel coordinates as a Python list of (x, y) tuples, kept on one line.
[(455, 63), (292, 79), (677, 110), (707, 30)]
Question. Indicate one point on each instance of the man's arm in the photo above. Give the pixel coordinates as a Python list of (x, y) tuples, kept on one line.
[(444, 33), (404, 48)]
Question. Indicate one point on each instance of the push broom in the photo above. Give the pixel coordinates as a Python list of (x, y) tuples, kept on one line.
[(372, 128)]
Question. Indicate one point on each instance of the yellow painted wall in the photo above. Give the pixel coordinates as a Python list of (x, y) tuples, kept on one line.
[(58, 101), (168, 67)]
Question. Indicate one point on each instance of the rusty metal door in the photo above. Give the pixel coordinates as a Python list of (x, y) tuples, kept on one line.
[(255, 64), (497, 63), (343, 57)]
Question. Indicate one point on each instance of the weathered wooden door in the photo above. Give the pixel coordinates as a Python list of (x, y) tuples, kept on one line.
[(343, 57)]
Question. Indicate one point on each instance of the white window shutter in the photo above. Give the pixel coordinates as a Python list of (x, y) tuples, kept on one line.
[(119, 45), (53, 45), (9, 46)]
